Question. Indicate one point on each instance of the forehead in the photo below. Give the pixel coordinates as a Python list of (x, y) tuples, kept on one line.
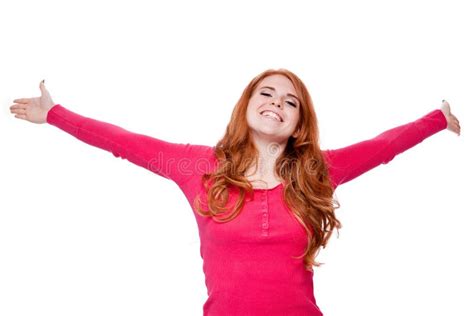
[(279, 82)]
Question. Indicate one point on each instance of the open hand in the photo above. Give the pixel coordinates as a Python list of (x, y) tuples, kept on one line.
[(33, 110), (453, 122)]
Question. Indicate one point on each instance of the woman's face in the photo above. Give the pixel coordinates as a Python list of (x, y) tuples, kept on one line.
[(274, 109)]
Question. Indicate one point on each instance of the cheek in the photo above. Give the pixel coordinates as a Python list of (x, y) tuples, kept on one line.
[(249, 114), (294, 120), (252, 107), (253, 103)]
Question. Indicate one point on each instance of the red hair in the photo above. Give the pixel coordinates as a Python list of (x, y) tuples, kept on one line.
[(308, 191)]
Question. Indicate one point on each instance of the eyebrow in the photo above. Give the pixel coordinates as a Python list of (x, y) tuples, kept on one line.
[(288, 94)]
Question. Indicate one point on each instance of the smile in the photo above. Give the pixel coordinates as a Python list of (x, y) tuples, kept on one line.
[(271, 115)]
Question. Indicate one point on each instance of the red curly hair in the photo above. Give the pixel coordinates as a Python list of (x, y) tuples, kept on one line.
[(308, 191)]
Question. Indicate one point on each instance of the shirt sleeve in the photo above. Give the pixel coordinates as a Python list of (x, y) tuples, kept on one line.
[(174, 161), (349, 162)]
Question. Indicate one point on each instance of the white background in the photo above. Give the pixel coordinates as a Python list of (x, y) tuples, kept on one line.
[(85, 233)]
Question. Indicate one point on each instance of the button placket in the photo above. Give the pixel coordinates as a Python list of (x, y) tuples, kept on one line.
[(265, 213)]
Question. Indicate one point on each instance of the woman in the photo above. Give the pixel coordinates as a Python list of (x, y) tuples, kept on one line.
[(263, 196)]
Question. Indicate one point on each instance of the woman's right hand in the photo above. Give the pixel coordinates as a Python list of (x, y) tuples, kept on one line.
[(33, 110)]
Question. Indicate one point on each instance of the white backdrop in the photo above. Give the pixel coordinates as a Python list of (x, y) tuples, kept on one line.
[(85, 233)]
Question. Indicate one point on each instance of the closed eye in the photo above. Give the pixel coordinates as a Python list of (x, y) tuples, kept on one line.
[(269, 95)]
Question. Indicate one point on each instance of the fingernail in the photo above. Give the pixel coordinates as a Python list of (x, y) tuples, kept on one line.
[(43, 81), (444, 101)]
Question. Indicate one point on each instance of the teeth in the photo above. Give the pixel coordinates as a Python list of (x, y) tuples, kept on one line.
[(272, 115)]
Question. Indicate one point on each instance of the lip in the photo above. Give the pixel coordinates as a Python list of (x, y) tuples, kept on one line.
[(278, 114)]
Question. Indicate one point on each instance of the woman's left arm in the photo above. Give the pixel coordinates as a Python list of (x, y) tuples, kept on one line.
[(349, 162)]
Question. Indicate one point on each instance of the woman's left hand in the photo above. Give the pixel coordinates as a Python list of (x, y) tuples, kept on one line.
[(453, 122)]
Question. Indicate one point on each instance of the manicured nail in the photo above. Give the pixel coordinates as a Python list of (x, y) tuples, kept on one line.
[(444, 101), (43, 81)]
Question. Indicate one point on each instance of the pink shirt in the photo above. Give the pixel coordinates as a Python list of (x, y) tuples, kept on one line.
[(247, 262)]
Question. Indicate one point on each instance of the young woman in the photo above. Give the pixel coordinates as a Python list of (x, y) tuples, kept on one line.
[(262, 196)]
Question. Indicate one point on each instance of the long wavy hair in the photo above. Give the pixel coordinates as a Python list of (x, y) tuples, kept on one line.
[(307, 192)]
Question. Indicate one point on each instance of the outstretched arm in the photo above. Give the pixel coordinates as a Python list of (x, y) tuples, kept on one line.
[(178, 162), (352, 161), (174, 161)]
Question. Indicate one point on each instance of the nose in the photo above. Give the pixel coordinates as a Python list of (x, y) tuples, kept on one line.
[(278, 103)]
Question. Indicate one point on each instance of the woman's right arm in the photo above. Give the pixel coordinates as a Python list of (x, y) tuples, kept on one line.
[(177, 162), (174, 161)]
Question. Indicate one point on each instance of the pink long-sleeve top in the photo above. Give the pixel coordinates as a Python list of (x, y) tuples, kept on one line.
[(247, 262)]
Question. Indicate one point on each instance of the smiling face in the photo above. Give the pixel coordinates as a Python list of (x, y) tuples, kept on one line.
[(274, 109)]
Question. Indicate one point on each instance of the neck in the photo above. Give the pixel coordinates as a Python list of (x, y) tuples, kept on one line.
[(268, 153)]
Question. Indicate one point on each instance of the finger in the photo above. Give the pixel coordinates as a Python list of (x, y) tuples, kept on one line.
[(22, 100), (454, 129), (21, 116), (19, 111), (17, 106), (43, 88)]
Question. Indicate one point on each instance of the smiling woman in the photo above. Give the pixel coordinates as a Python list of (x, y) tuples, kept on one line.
[(258, 243), (274, 97)]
